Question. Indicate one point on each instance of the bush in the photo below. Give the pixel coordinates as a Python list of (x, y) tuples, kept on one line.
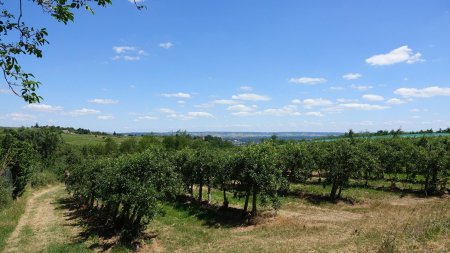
[(44, 178), (5, 193)]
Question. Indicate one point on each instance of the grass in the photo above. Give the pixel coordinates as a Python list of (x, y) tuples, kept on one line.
[(377, 221), (9, 217), (89, 139)]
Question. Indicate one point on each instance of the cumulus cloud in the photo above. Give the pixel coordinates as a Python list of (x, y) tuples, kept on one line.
[(307, 80), (127, 53), (103, 101), (105, 117), (166, 110), (83, 112), (395, 101), (315, 114), (346, 100), (199, 115), (372, 97), (336, 88), (242, 108), (361, 87), (224, 102), (166, 45), (359, 106), (17, 116), (43, 108), (424, 92), (311, 102), (398, 55), (296, 101), (251, 97), (147, 117), (290, 110), (177, 95), (123, 49), (351, 76)]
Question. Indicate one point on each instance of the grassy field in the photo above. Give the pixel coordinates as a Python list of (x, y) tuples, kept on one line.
[(376, 222), (89, 139), (366, 220)]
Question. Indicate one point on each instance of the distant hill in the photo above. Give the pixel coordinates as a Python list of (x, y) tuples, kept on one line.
[(246, 137)]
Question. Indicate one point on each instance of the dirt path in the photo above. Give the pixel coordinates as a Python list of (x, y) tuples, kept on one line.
[(41, 225)]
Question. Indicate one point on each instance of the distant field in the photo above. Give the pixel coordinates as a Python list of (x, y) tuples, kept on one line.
[(88, 139)]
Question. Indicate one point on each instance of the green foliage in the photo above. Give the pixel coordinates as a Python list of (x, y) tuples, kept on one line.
[(42, 179), (5, 193), (129, 187)]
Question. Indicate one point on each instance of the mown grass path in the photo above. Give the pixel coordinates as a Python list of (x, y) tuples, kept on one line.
[(43, 225)]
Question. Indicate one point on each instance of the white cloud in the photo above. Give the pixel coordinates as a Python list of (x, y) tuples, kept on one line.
[(346, 100), (316, 114), (336, 88), (224, 102), (307, 80), (135, 1), (246, 88), (418, 110), (131, 58), (351, 76), (251, 97), (290, 110), (395, 101), (358, 106), (199, 115), (372, 97), (398, 55), (43, 108), (361, 87), (146, 117), (311, 102), (242, 108), (105, 117), (177, 95), (424, 92), (83, 112), (181, 102), (103, 101), (20, 116), (296, 101), (123, 49), (166, 110), (127, 53), (166, 45)]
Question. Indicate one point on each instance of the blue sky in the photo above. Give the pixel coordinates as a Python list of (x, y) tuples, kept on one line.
[(242, 66)]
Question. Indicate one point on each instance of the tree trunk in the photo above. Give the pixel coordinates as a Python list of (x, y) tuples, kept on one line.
[(209, 193), (339, 193), (247, 196), (254, 202), (334, 189), (200, 191), (225, 199)]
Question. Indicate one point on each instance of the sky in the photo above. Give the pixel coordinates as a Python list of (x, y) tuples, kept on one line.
[(241, 66)]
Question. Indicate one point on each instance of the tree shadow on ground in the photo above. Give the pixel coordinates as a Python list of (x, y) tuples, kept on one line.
[(211, 215), (317, 199), (94, 225)]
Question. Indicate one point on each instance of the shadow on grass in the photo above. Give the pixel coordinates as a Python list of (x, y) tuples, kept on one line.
[(94, 225), (211, 215), (317, 199)]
